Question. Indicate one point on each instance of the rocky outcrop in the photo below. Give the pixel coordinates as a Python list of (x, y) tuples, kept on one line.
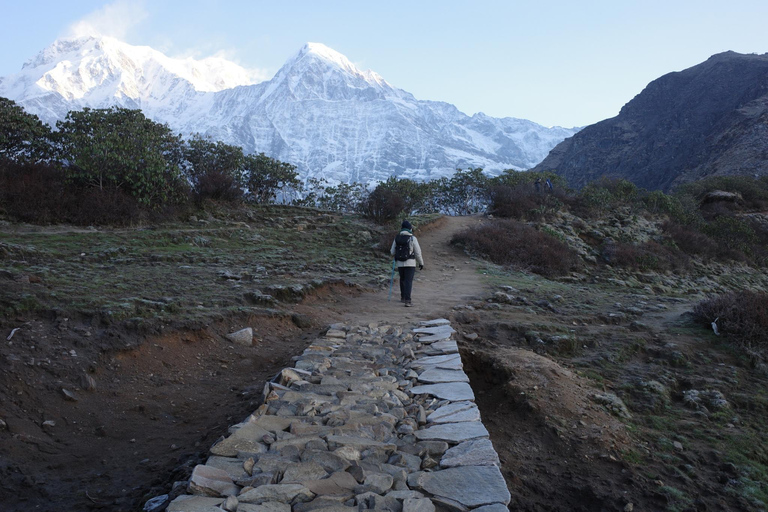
[(369, 418), (708, 120)]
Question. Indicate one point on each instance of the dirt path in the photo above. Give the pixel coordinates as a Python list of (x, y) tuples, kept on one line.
[(449, 278)]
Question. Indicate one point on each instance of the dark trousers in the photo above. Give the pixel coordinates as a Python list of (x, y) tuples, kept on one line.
[(406, 282)]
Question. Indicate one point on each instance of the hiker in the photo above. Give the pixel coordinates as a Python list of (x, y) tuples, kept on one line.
[(549, 185), (538, 185), (407, 253)]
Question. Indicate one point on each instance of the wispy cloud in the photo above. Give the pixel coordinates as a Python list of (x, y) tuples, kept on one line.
[(115, 19)]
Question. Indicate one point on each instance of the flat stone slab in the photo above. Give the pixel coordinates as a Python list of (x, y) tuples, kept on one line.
[(245, 439), (453, 432), (448, 362), (454, 391), (438, 329), (472, 486), (188, 503), (457, 412), (478, 452), (434, 375), (435, 337), (436, 321), (444, 347)]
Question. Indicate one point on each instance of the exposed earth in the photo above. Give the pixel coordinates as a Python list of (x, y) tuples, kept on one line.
[(585, 387)]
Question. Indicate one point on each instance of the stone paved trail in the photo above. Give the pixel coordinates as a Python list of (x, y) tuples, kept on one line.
[(375, 417)]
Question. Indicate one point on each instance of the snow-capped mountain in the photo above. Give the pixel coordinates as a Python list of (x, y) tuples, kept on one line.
[(319, 112)]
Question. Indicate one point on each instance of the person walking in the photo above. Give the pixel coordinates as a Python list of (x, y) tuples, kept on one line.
[(407, 254), (537, 183)]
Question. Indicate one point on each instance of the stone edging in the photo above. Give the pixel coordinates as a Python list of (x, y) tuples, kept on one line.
[(369, 418)]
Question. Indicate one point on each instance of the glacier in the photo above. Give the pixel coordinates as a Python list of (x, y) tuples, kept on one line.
[(319, 112)]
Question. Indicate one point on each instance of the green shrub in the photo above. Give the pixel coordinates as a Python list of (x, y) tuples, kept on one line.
[(742, 316), (649, 256), (508, 242)]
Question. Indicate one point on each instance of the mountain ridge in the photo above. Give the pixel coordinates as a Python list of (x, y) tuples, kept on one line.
[(318, 112), (708, 120)]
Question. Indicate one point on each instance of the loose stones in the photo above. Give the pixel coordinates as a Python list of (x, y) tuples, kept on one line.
[(354, 425)]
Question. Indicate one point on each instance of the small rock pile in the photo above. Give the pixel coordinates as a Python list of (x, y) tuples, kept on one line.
[(369, 418)]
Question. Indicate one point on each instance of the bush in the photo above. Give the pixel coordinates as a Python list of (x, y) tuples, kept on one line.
[(649, 256), (520, 202), (508, 242), (218, 185), (382, 205), (690, 240), (742, 316), (39, 193)]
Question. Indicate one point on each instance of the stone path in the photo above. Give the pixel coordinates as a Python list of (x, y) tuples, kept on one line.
[(369, 418)]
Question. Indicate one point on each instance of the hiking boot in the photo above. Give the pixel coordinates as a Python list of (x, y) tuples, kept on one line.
[(409, 304)]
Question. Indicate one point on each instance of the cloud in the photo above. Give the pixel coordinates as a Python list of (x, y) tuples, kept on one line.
[(115, 19)]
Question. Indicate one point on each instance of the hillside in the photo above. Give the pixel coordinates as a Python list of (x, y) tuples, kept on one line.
[(708, 120), (599, 390)]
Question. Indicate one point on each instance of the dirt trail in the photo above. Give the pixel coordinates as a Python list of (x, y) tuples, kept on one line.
[(449, 278)]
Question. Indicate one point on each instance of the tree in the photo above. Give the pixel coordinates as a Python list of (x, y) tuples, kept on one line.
[(23, 137), (464, 193), (266, 176), (120, 148), (215, 169)]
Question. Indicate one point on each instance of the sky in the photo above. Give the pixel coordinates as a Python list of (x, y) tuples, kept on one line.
[(554, 62)]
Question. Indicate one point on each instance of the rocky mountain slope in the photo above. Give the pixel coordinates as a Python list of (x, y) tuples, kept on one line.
[(708, 120), (319, 112)]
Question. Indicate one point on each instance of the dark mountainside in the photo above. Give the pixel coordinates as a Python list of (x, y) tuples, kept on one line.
[(708, 120)]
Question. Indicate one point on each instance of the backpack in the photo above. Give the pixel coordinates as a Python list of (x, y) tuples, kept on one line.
[(403, 251)]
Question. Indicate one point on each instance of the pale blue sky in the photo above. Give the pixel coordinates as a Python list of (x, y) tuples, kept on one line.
[(554, 62)]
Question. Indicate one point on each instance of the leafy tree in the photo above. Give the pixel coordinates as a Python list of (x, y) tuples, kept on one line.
[(121, 149), (416, 196), (464, 193), (266, 176), (215, 169), (23, 137), (383, 204)]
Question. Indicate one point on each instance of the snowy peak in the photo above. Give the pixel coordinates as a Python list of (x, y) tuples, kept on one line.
[(318, 72), (319, 112), (74, 68)]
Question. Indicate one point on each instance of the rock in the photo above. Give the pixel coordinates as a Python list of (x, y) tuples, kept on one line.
[(230, 504), (244, 440), (281, 493), (88, 383), (377, 483), (418, 505), (242, 337), (209, 481), (340, 483), (471, 486), (187, 503), (496, 507), (478, 452), (298, 473), (453, 432), (157, 504), (456, 412), (49, 424), (270, 506), (68, 395), (472, 336), (454, 391)]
